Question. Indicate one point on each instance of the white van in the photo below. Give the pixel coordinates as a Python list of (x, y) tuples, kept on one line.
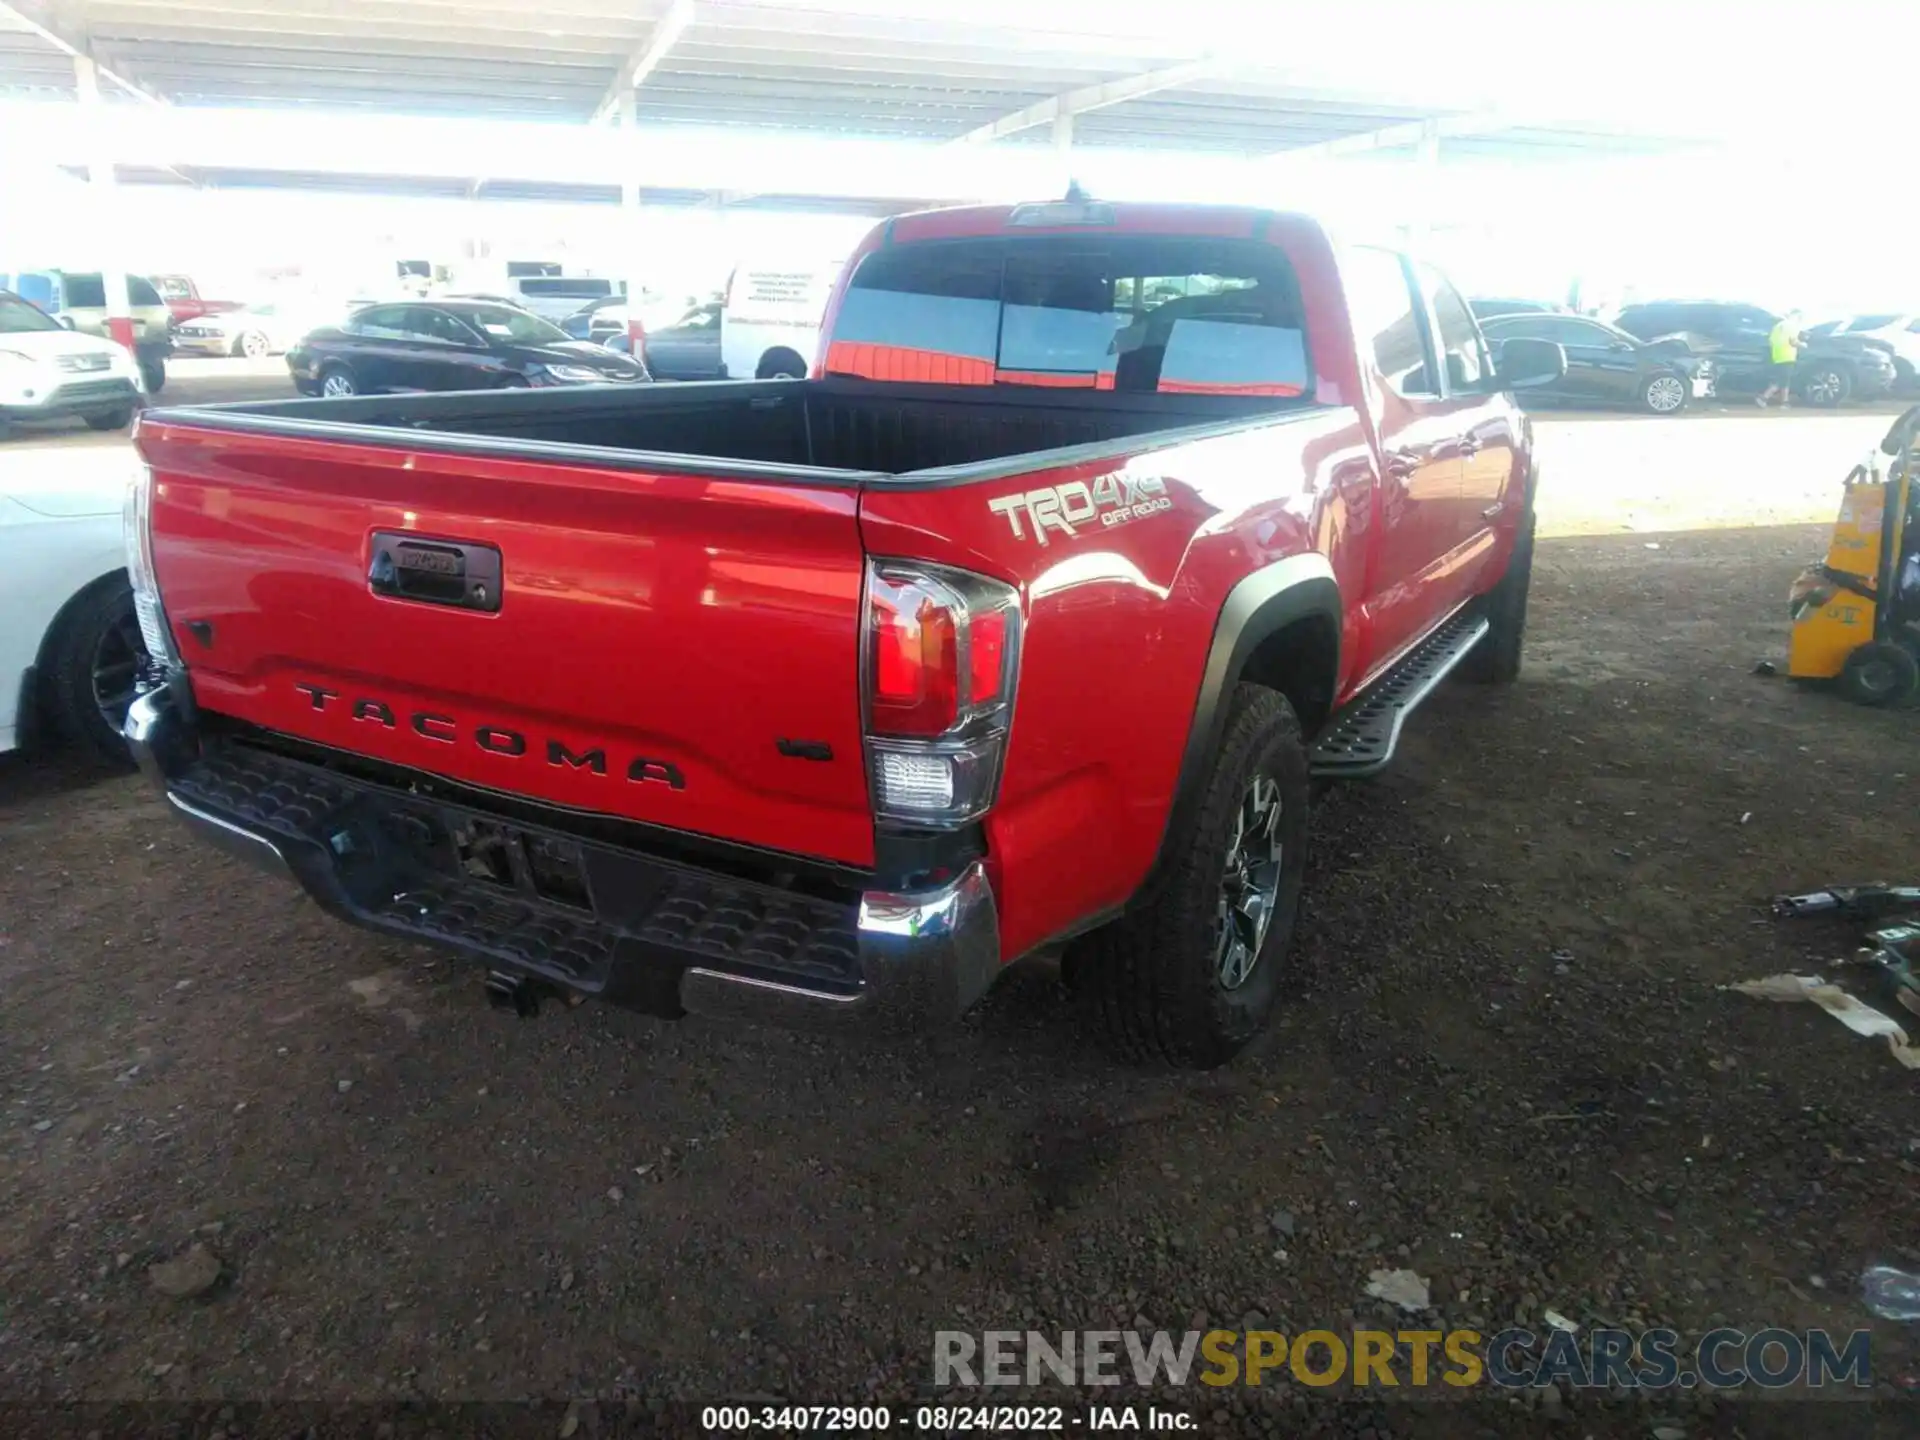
[(552, 297), (771, 323)]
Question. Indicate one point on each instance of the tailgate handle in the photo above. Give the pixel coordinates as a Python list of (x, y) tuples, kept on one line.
[(458, 573)]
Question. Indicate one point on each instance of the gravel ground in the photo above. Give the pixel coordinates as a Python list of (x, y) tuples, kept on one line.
[(1504, 1063)]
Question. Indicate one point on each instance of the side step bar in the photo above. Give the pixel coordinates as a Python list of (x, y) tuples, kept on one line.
[(1359, 741)]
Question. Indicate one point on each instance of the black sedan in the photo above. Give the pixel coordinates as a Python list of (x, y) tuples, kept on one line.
[(449, 345), (1606, 366)]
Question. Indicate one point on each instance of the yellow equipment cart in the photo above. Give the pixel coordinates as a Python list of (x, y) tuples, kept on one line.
[(1856, 618)]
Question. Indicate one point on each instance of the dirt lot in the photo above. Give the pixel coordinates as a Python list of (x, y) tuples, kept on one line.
[(1505, 1064)]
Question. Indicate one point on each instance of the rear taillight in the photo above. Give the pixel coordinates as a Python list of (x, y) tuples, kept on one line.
[(941, 651), (137, 528)]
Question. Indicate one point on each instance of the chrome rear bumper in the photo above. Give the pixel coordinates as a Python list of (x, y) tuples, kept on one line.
[(640, 930)]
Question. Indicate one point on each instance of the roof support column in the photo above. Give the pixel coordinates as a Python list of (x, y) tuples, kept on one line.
[(630, 266), (1426, 186), (113, 269)]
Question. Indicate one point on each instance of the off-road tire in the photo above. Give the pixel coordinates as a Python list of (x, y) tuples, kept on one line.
[(1151, 978), (69, 669), (1496, 659)]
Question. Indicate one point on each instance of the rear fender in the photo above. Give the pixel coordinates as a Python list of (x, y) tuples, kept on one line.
[(1300, 588)]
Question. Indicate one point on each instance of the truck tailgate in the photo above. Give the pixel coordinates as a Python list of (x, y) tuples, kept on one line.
[(680, 650)]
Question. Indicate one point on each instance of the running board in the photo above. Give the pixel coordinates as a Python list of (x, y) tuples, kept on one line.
[(1360, 740)]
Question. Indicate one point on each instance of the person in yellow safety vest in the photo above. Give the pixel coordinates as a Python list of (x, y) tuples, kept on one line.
[(1783, 347)]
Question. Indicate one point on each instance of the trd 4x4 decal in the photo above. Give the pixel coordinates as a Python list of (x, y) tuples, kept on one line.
[(1111, 500)]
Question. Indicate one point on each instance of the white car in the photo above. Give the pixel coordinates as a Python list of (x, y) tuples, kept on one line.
[(1902, 332), (70, 646), (49, 372), (255, 332)]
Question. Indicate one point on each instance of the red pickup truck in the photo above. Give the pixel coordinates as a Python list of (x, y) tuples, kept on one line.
[(184, 300), (1025, 622)]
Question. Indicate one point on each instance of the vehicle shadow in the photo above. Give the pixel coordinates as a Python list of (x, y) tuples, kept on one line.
[(40, 773)]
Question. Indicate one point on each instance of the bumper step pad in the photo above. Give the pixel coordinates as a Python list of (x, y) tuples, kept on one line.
[(536, 900), (1360, 740)]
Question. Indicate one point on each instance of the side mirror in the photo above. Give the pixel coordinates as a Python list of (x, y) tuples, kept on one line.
[(66, 322), (1526, 364)]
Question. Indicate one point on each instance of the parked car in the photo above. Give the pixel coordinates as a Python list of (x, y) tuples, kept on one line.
[(49, 371), (1901, 333), (688, 349), (79, 299), (255, 332), (448, 345), (184, 301), (1607, 366), (598, 320), (765, 326), (1831, 369), (1486, 308), (71, 649), (1031, 622), (554, 297)]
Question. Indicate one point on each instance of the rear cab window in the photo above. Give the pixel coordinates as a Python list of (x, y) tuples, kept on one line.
[(1134, 314)]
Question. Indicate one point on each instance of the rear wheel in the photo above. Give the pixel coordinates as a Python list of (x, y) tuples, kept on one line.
[(97, 655), (1664, 395), (337, 382), (1880, 673), (1193, 974), (1496, 659), (781, 364), (111, 419)]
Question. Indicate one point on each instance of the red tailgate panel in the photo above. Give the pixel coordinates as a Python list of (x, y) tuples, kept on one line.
[(658, 635)]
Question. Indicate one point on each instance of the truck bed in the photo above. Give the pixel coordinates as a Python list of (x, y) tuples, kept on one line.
[(861, 430)]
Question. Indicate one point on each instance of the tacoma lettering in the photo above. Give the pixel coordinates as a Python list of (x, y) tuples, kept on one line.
[(500, 740)]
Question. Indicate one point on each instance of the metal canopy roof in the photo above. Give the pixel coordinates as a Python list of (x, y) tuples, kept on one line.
[(897, 69)]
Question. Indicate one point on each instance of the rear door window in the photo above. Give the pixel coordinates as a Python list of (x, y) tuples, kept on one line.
[(1386, 318), (83, 292), (1129, 313), (1459, 336)]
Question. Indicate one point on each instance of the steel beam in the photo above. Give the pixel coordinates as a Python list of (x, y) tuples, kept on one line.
[(1416, 135), (641, 63), (1092, 97), (44, 23)]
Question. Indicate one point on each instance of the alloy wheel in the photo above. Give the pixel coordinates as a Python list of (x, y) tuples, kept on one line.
[(1824, 387), (1665, 394), (336, 385), (1250, 885), (254, 345), (115, 670)]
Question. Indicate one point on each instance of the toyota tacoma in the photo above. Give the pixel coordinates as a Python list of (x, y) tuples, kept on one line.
[(1098, 532)]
